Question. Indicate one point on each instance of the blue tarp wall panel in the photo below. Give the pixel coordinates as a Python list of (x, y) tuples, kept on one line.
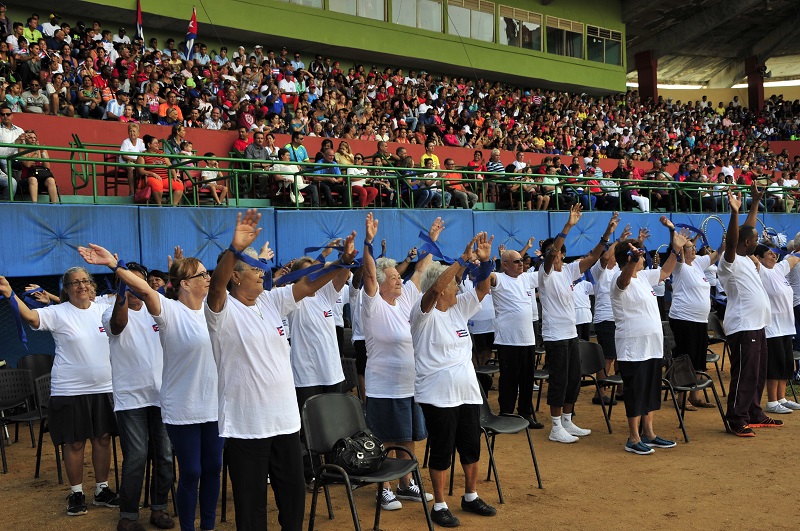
[(513, 229), (201, 232), (42, 239)]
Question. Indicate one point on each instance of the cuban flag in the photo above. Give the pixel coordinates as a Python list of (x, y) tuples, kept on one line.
[(327, 313), (191, 35), (462, 333), (139, 30)]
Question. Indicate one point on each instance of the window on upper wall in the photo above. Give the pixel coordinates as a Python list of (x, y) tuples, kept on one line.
[(603, 46), (374, 9), (564, 37), (424, 14), (471, 18), (520, 28), (308, 3)]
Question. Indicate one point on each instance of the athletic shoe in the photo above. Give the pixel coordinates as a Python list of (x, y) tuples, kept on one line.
[(412, 493), (106, 498), (790, 404), (76, 504), (535, 387), (779, 409), (572, 429), (638, 448), (767, 423), (559, 434), (744, 431), (658, 442), (389, 501), (444, 518), (478, 506)]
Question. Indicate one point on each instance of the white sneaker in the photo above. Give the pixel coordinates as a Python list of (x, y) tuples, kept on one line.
[(389, 501), (790, 404), (535, 387), (559, 434), (572, 429), (778, 408)]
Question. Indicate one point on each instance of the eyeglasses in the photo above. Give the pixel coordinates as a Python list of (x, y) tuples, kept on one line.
[(517, 261), (5, 114), (204, 274), (83, 282)]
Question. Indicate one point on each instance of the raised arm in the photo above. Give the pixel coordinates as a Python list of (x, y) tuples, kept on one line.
[(96, 255), (369, 274), (303, 288), (678, 240), (483, 250), (574, 216), (244, 234), (436, 229), (756, 194), (527, 246), (624, 279), (403, 266), (732, 236), (606, 257), (29, 316), (430, 297), (589, 260), (119, 317)]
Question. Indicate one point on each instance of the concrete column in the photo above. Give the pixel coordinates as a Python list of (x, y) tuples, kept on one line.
[(647, 69), (755, 84)]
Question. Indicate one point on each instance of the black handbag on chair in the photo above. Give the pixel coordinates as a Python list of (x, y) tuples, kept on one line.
[(359, 454)]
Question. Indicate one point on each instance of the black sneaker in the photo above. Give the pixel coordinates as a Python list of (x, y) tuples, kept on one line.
[(106, 498), (444, 518), (76, 504), (478, 506)]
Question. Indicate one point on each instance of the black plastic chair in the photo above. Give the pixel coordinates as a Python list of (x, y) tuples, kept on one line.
[(593, 362), (350, 375), (16, 390), (716, 335), (711, 357), (42, 385), (330, 417), (38, 364), (493, 425)]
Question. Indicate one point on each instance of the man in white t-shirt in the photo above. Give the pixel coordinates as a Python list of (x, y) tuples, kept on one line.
[(137, 361), (558, 325), (746, 315)]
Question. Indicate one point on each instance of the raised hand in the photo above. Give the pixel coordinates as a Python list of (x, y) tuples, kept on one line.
[(470, 248), (574, 214), (484, 246), (383, 247), (756, 192), (266, 253), (626, 232), (530, 241), (96, 255), (679, 239), (334, 242), (667, 222), (40, 296), (436, 229), (412, 254), (735, 200), (371, 228), (501, 249), (644, 233), (5, 288), (349, 250), (178, 252), (612, 223), (246, 230), (635, 251)]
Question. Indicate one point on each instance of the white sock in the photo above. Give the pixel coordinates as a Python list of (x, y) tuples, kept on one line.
[(772, 404), (439, 506), (76, 488), (100, 486), (470, 496), (556, 422), (566, 418), (782, 400)]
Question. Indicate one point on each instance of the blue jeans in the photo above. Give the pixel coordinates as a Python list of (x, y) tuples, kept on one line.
[(198, 448), (137, 429), (422, 197), (436, 199)]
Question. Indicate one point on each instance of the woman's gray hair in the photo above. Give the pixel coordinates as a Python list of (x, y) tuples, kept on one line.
[(381, 265), (69, 273), (240, 266), (431, 275)]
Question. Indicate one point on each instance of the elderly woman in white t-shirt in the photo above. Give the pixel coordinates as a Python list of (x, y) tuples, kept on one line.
[(258, 413), (640, 338), (189, 384), (392, 414), (81, 405), (131, 144), (446, 386), (688, 315)]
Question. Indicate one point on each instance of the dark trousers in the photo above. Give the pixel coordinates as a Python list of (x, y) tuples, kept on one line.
[(748, 353), (564, 363), (138, 430), (326, 190), (516, 376), (250, 462)]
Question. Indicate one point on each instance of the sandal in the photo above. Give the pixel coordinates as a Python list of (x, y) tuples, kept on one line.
[(701, 404), (689, 407)]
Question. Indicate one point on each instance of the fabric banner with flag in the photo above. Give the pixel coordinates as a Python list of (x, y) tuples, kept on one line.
[(191, 35), (139, 30)]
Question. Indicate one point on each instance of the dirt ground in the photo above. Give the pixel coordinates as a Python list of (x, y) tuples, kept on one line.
[(717, 481)]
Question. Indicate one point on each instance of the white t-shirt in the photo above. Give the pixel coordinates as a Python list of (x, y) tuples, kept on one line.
[(338, 308), (513, 309), (638, 334), (583, 305), (256, 390), (748, 305), (82, 365), (483, 321), (794, 282), (137, 360), (711, 275), (691, 292), (390, 349), (602, 287), (558, 304), (443, 354), (780, 296), (189, 383), (315, 350), (355, 314), (128, 147)]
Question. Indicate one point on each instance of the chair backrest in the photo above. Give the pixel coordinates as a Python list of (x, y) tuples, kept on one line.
[(592, 360), (715, 326), (669, 339), (42, 385), (38, 364), (16, 386), (350, 373), (486, 411), (330, 417)]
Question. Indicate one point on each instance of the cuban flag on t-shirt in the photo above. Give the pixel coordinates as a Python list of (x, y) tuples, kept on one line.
[(102, 329), (280, 331), (462, 333), (191, 35), (155, 328), (327, 313)]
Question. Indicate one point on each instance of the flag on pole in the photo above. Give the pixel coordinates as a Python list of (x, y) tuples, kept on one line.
[(191, 35), (139, 31)]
